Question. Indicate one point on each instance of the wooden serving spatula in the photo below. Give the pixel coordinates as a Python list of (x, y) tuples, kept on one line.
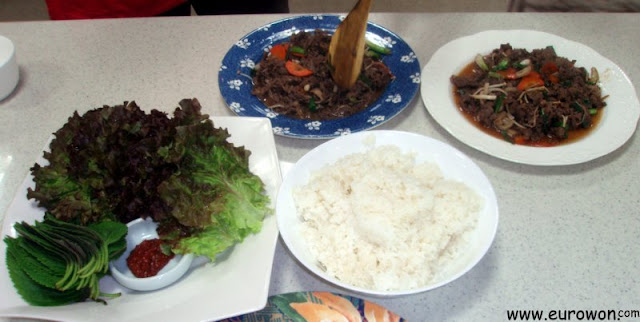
[(346, 49)]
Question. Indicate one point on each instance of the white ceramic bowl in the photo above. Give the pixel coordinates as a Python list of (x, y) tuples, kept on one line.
[(9, 74), (139, 230), (453, 164)]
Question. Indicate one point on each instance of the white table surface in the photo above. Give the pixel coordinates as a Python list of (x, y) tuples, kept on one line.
[(568, 237)]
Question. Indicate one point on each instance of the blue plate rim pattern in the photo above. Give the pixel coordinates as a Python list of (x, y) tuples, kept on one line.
[(235, 85)]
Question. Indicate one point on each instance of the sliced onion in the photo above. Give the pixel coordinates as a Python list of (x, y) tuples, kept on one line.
[(503, 121), (480, 62), (484, 97), (524, 72), (594, 78), (318, 93)]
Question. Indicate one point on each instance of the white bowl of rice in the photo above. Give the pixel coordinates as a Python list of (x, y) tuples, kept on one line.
[(387, 213)]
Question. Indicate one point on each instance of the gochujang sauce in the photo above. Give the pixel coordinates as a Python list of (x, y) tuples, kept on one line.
[(147, 259)]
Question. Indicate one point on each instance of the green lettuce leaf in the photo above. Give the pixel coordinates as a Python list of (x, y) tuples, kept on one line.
[(213, 192), (119, 163)]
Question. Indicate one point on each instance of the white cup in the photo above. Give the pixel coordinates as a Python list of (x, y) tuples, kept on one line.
[(8, 67)]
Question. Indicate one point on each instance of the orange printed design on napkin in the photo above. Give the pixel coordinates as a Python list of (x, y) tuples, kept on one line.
[(318, 312), (340, 304), (377, 313), (318, 306)]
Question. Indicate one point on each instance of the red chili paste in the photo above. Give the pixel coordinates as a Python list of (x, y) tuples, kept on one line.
[(147, 259)]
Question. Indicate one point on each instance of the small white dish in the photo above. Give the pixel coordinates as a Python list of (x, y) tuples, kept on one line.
[(454, 166), (140, 230), (9, 74)]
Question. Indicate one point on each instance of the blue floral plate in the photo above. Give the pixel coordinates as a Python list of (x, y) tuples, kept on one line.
[(235, 82)]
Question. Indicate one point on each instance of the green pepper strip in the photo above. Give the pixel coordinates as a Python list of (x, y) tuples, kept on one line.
[(498, 105), (297, 50), (377, 48), (495, 75), (312, 104), (506, 137), (372, 54), (502, 65)]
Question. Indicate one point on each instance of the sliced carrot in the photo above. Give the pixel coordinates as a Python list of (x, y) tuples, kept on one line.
[(279, 51), (549, 68), (532, 80), (509, 73), (296, 70)]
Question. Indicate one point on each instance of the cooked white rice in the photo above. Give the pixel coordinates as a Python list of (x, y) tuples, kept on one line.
[(379, 220)]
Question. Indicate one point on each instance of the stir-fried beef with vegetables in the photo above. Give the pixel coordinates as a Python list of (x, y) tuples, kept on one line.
[(531, 98), (294, 79)]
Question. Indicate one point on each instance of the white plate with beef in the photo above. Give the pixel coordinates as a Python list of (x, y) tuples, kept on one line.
[(237, 81), (617, 120)]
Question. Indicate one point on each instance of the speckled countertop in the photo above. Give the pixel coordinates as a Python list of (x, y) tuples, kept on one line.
[(568, 238)]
